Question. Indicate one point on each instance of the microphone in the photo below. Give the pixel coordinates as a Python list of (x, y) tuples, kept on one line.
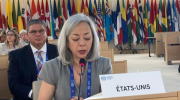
[(82, 63)]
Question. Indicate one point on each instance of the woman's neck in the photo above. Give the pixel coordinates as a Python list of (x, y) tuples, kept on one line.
[(11, 44), (76, 62)]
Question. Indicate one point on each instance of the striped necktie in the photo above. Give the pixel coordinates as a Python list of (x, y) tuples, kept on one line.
[(39, 60)]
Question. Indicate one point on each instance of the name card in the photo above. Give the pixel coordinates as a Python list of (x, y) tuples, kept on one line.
[(50, 38), (130, 84)]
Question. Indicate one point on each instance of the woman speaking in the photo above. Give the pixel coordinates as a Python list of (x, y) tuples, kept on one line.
[(61, 76)]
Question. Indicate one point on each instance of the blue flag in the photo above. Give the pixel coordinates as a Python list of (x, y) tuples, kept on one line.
[(169, 16), (69, 9), (174, 18), (149, 25), (109, 28), (141, 22), (52, 21)]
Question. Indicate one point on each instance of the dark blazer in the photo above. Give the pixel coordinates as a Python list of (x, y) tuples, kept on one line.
[(22, 70)]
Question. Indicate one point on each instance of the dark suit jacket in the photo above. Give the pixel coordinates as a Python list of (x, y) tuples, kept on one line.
[(22, 70)]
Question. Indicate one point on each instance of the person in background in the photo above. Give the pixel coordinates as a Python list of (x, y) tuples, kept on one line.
[(12, 41), (57, 31), (61, 76), (2, 36), (26, 63), (15, 29), (23, 37)]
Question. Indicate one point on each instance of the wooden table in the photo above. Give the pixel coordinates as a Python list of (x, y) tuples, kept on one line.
[(150, 38)]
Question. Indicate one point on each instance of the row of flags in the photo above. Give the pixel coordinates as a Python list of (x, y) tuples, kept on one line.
[(130, 24)]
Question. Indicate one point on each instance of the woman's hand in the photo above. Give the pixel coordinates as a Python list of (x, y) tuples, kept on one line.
[(76, 98)]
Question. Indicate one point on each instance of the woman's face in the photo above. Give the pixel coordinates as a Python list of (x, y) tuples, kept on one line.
[(80, 40), (3, 38), (10, 36), (24, 36)]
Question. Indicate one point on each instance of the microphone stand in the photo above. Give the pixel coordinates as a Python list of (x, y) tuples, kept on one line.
[(80, 83)]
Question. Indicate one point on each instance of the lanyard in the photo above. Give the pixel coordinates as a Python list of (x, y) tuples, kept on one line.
[(88, 81), (14, 46), (37, 71)]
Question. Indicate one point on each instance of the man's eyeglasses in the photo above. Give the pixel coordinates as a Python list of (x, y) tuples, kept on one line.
[(34, 32), (10, 34)]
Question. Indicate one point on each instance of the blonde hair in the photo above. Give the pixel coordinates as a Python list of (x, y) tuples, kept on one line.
[(16, 41), (1, 34)]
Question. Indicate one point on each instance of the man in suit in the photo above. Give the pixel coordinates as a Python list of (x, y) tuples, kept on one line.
[(26, 63)]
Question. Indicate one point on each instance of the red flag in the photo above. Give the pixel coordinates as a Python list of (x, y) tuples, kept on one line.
[(48, 19), (64, 11), (152, 18), (73, 8), (0, 18), (34, 13), (38, 10), (42, 11), (87, 8), (82, 7)]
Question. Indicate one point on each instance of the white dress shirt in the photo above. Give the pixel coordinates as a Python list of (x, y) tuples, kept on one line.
[(43, 54)]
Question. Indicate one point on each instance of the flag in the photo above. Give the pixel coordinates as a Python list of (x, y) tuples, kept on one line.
[(55, 15), (86, 9), (149, 25), (82, 7), (124, 24), (169, 16), (19, 21), (64, 11), (38, 10), (174, 17), (136, 10), (152, 20), (60, 15), (114, 22), (104, 20), (78, 7), (109, 27), (133, 25), (24, 15), (73, 8), (14, 16), (47, 15), (129, 30), (42, 12), (4, 16), (91, 9), (34, 13), (164, 17), (95, 13), (160, 16), (69, 9), (141, 25), (178, 12), (1, 23), (156, 17), (51, 21), (145, 20), (9, 15), (28, 11), (99, 20), (119, 24)]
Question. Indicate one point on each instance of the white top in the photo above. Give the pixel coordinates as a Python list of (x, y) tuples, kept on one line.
[(43, 54)]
